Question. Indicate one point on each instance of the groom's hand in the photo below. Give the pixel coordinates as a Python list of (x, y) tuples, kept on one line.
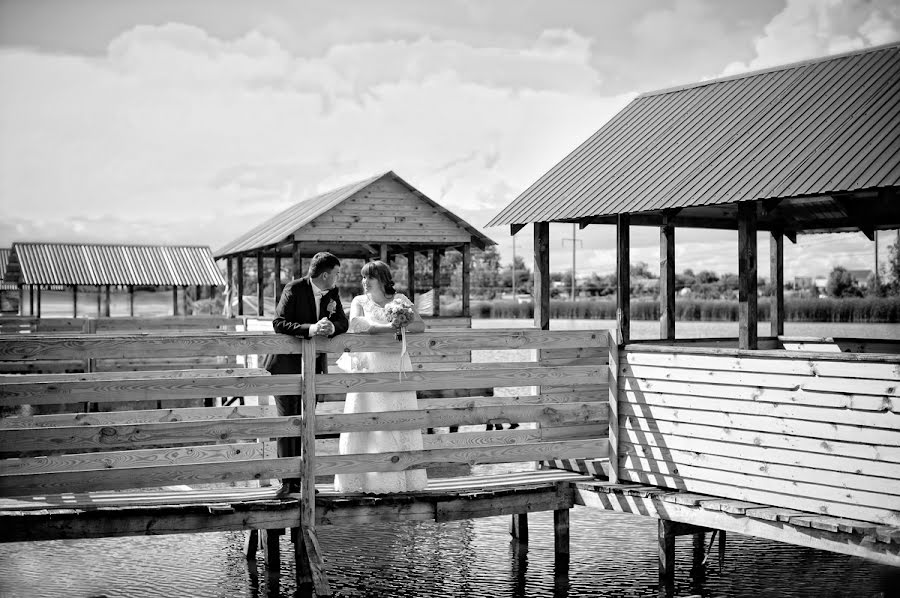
[(323, 327)]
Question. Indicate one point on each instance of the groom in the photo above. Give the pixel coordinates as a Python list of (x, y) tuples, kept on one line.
[(309, 307)]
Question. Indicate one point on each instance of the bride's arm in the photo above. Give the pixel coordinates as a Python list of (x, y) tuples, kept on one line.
[(417, 325), (358, 320)]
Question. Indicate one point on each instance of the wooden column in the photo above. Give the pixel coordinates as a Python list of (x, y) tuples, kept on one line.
[(623, 278), (31, 300), (518, 527), (561, 532), (466, 285), (185, 301), (99, 301), (384, 253), (542, 275), (411, 274), (307, 454), (776, 274), (278, 286), (106, 308), (612, 384), (666, 540), (131, 300), (229, 287), (239, 286), (667, 279), (39, 301), (21, 299), (269, 539), (260, 285), (298, 260), (747, 336), (74, 300), (436, 280), (174, 300)]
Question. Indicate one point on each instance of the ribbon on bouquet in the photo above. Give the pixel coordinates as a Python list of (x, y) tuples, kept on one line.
[(403, 351)]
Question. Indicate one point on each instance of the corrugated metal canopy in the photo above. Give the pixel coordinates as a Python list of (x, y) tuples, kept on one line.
[(4, 259), (280, 228), (77, 264), (828, 127)]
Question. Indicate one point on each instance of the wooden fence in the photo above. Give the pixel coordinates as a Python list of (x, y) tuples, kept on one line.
[(816, 432)]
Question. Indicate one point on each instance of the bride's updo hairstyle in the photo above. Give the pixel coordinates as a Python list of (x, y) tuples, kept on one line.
[(379, 271)]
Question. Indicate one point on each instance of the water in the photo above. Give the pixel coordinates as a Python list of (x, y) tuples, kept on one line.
[(612, 554)]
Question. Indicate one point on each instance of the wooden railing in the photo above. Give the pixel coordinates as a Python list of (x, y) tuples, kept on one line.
[(52, 450), (817, 432)]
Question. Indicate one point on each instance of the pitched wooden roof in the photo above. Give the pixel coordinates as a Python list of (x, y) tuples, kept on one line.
[(4, 259), (81, 264), (380, 209), (823, 129)]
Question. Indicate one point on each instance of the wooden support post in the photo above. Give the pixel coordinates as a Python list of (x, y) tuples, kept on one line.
[(298, 260), (666, 539), (561, 532), (251, 542), (229, 288), (239, 286), (747, 301), (383, 253), (74, 300), (90, 364), (21, 299), (667, 279), (518, 527), (466, 286), (436, 280), (307, 454), (174, 300), (185, 301), (776, 274), (698, 550), (278, 286), (31, 300), (106, 304), (270, 542), (542, 275), (39, 301), (131, 300), (260, 285), (721, 549), (411, 274), (623, 278), (99, 301), (613, 401)]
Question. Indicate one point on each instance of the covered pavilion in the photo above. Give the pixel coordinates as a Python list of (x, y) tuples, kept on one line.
[(377, 218), (32, 267), (802, 148)]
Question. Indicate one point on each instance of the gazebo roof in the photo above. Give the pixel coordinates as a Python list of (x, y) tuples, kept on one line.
[(83, 264), (305, 220), (4, 259), (818, 141)]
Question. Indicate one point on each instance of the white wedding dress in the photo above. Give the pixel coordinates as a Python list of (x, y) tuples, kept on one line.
[(363, 313)]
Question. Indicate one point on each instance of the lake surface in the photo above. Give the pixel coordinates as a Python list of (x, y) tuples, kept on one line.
[(612, 554)]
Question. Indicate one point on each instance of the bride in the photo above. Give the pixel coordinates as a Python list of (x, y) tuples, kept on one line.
[(367, 315)]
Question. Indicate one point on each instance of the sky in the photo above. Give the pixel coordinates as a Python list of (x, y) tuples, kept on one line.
[(190, 121)]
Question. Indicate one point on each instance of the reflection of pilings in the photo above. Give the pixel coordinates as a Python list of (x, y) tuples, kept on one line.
[(561, 553), (666, 539), (518, 527)]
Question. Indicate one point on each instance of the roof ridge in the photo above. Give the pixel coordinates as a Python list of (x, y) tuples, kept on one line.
[(75, 243), (771, 69)]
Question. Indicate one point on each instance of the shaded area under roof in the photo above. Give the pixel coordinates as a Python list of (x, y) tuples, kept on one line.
[(826, 131), (4, 259), (280, 230), (79, 264)]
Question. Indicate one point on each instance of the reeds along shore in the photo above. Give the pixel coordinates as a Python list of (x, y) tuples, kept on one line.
[(863, 310)]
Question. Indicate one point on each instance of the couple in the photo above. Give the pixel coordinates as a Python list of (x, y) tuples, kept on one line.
[(311, 306)]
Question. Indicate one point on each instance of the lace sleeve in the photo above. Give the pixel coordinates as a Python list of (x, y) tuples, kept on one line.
[(358, 320)]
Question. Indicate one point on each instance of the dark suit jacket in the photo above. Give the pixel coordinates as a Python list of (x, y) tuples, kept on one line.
[(295, 313)]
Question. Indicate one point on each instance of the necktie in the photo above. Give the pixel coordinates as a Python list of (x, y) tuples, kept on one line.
[(317, 295)]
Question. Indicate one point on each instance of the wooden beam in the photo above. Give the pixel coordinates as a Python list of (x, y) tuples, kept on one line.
[(791, 235), (466, 285), (436, 280), (585, 222), (542, 275), (411, 274), (769, 205), (260, 284), (747, 285), (776, 278), (623, 278), (239, 286), (514, 228), (667, 279)]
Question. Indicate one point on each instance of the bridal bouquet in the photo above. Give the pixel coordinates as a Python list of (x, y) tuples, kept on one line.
[(400, 313)]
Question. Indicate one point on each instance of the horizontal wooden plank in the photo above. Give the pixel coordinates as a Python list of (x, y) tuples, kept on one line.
[(556, 414), (491, 377), (761, 407), (784, 363), (762, 380), (439, 341), (796, 396), (105, 418), (139, 458), (823, 430), (404, 460), (805, 501), (645, 431), (181, 387), (525, 501), (470, 401), (115, 436), (508, 437), (680, 462), (149, 375), (42, 366), (765, 354)]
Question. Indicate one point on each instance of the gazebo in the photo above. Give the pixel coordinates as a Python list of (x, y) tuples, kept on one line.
[(802, 148), (377, 218), (36, 266)]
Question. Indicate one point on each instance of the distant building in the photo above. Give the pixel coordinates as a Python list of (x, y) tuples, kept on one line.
[(861, 277)]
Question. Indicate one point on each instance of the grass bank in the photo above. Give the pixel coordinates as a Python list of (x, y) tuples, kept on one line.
[(863, 310)]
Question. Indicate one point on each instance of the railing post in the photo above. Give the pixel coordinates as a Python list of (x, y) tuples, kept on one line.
[(307, 471), (613, 398)]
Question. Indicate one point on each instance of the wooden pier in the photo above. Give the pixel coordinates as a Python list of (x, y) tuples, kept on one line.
[(793, 446)]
